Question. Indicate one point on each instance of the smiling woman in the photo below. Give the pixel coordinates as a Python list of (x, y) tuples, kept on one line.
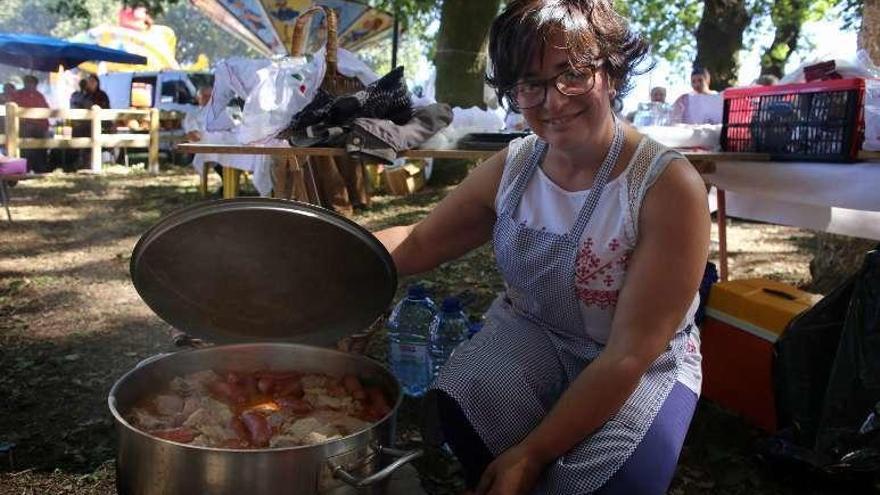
[(587, 371)]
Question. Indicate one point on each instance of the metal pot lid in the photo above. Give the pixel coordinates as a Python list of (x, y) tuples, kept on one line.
[(257, 269)]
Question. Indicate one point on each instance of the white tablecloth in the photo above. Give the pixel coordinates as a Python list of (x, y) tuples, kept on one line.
[(260, 166), (831, 197)]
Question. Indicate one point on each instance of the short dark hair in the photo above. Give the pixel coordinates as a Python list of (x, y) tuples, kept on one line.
[(30, 80), (593, 31), (700, 71)]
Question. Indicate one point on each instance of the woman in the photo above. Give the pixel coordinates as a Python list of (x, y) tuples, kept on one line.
[(586, 374), (94, 94)]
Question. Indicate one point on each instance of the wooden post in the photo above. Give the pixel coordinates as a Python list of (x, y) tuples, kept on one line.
[(231, 177), (96, 139), (153, 155), (12, 130), (722, 232), (203, 181)]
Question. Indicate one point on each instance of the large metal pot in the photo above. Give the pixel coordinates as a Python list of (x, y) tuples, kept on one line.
[(147, 465)]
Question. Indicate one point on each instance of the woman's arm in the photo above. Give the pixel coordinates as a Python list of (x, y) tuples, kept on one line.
[(461, 222), (664, 274)]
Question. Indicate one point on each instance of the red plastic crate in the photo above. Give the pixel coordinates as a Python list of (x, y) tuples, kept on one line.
[(816, 121)]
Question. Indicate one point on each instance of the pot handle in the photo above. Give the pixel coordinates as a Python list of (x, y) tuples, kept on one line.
[(404, 456)]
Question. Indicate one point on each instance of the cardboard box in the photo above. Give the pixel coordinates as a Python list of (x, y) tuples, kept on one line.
[(401, 181), (743, 320)]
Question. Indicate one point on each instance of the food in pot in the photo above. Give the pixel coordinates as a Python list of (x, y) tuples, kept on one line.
[(259, 410)]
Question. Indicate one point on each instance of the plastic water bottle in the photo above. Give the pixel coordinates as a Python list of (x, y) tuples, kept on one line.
[(408, 329), (450, 328)]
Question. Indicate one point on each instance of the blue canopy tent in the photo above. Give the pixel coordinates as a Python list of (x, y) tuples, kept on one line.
[(47, 54)]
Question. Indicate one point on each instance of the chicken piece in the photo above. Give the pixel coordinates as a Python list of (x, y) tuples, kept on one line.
[(354, 387), (281, 441), (325, 401), (193, 383), (168, 405), (343, 423), (146, 421), (212, 419), (295, 406), (301, 428), (316, 438), (314, 383)]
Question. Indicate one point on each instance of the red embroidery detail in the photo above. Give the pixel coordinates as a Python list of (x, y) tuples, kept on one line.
[(593, 276)]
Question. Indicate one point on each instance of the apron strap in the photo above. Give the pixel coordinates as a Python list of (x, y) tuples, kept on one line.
[(599, 183), (521, 182)]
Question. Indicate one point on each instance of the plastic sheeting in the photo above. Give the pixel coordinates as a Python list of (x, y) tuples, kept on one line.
[(827, 377)]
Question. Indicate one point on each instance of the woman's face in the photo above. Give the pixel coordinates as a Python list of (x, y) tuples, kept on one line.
[(563, 121), (91, 84)]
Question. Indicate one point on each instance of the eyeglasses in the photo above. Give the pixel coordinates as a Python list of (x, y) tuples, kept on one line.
[(570, 82)]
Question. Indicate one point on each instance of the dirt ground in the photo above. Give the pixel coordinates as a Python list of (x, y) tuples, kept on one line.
[(71, 324)]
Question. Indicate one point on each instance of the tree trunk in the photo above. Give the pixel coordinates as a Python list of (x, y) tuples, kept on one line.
[(838, 257), (869, 33), (460, 57), (788, 16), (719, 39)]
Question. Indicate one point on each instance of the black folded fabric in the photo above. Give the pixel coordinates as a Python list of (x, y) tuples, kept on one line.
[(381, 139), (386, 98)]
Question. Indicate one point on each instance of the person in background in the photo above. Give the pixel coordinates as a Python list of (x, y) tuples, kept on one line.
[(582, 380), (194, 125), (658, 94), (8, 91), (700, 81), (5, 97), (79, 98), (30, 97), (655, 112), (94, 94), (767, 80), (703, 105)]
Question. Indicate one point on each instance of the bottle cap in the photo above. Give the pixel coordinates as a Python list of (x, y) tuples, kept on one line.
[(451, 305), (416, 291)]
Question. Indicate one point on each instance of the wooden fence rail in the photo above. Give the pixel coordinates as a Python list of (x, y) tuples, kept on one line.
[(14, 142)]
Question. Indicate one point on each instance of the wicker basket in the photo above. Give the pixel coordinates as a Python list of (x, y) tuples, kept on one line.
[(334, 83)]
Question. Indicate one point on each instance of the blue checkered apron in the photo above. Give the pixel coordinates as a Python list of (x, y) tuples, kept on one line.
[(534, 344)]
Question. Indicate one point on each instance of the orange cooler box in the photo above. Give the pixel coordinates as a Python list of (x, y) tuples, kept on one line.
[(743, 320)]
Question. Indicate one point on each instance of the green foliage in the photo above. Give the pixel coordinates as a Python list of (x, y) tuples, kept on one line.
[(416, 18), (77, 9), (668, 26), (197, 34)]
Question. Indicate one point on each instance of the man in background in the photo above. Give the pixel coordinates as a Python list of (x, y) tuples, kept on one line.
[(658, 94), (30, 97), (654, 112)]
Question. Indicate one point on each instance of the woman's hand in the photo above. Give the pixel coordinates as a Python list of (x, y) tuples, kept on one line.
[(515, 472)]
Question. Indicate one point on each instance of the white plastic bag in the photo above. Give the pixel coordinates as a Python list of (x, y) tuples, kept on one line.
[(282, 89), (872, 115), (861, 66)]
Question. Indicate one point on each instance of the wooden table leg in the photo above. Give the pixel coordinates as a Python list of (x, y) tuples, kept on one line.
[(203, 182), (231, 177), (722, 232), (4, 198)]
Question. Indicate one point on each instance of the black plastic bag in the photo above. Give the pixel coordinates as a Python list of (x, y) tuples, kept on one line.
[(827, 380)]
